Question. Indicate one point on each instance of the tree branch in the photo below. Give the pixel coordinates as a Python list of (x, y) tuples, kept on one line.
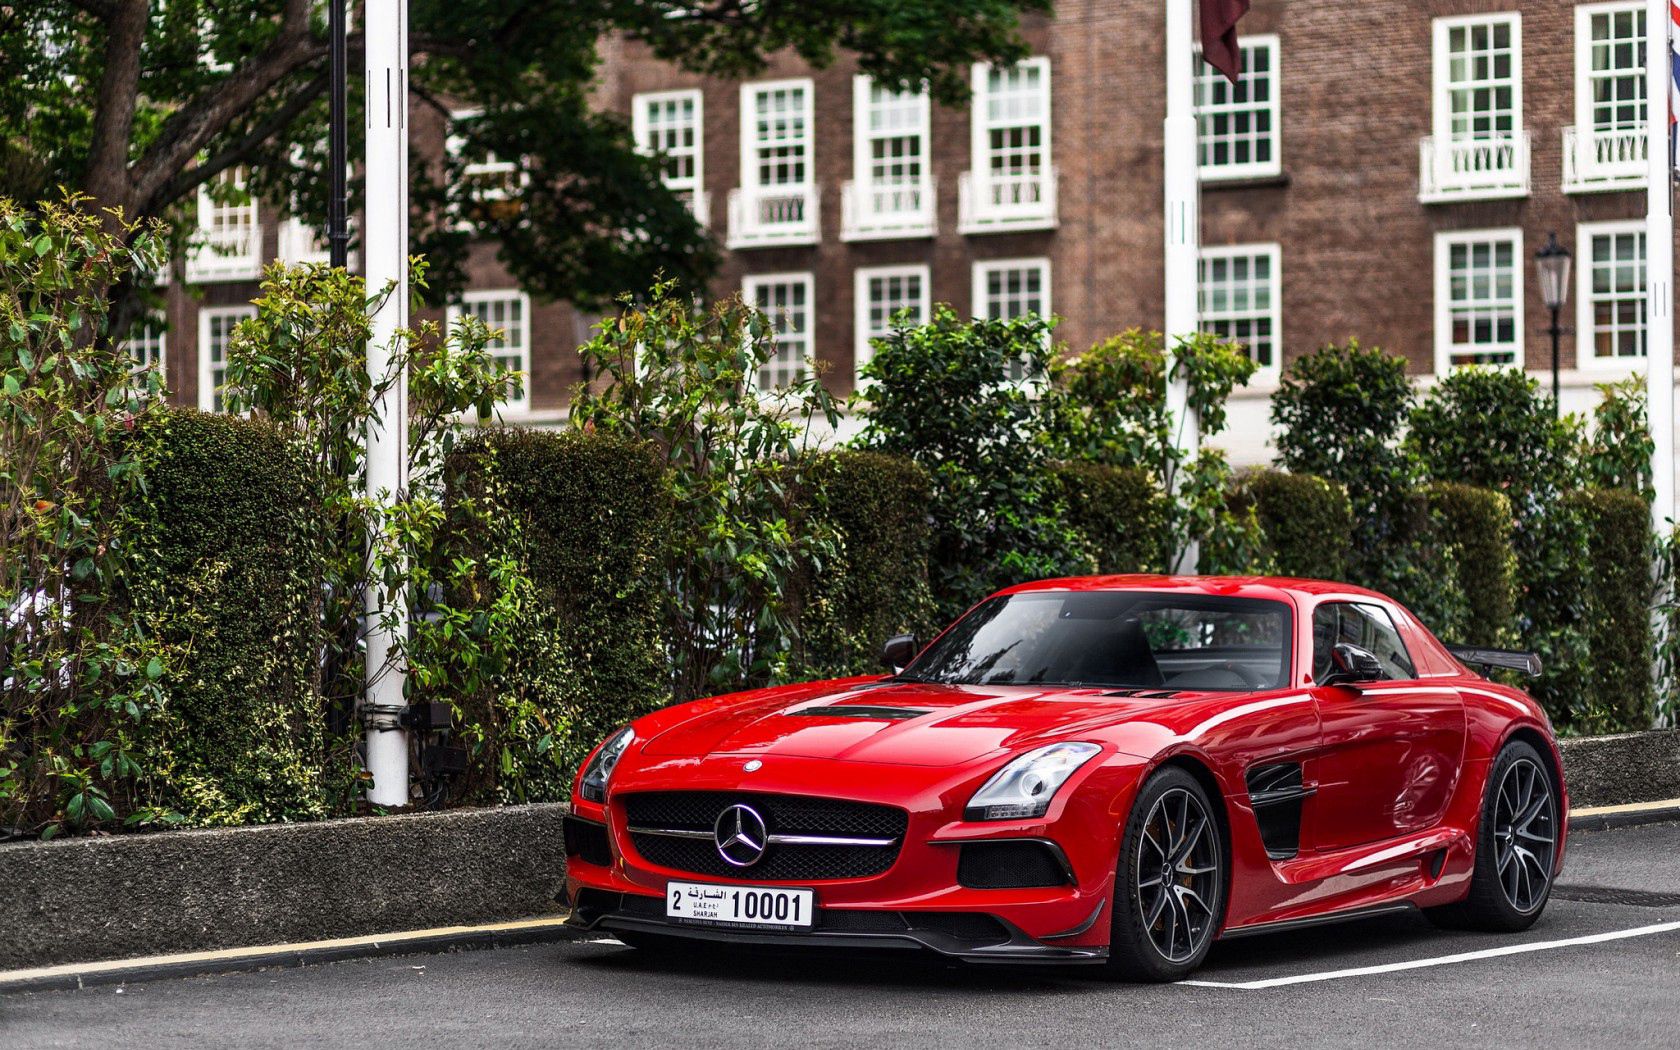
[(272, 125)]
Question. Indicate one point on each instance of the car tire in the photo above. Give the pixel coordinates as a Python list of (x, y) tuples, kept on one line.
[(1503, 898), (1153, 910)]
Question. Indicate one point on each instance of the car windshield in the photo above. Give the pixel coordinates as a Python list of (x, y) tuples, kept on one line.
[(1114, 639)]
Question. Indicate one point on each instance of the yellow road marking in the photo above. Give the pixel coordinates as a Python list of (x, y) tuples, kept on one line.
[(1631, 807)]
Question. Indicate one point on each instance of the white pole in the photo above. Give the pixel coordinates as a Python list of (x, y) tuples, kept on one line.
[(1183, 227), (386, 207), (1659, 260)]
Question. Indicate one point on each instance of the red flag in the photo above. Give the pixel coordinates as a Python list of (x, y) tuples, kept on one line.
[(1219, 35)]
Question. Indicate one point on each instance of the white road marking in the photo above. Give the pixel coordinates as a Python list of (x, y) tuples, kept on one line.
[(1444, 960)]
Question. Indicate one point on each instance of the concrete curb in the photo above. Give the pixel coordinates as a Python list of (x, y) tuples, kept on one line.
[(1600, 818), (242, 960)]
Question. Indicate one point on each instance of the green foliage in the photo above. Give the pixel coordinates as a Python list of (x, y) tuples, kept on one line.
[(582, 520), (1470, 529), (875, 584), (960, 398), (1338, 413), (1307, 522), (79, 679), (1109, 406), (225, 572), (686, 383), (1119, 512), (1618, 603), (1619, 454), (1667, 628)]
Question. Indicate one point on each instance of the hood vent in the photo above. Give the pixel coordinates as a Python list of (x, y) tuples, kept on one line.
[(891, 714), (1144, 694)]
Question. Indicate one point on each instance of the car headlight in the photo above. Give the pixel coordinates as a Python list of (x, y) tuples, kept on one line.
[(594, 786), (1024, 787)]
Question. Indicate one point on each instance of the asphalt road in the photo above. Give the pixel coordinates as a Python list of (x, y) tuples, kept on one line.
[(1285, 990)]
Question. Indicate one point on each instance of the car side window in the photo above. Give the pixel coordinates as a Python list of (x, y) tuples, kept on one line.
[(1367, 626)]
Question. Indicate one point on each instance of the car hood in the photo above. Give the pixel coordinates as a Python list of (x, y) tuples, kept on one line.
[(898, 723)]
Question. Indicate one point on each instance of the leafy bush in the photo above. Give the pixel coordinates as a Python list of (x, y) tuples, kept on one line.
[(1619, 454), (1307, 522), (1492, 428), (1339, 412), (1109, 406), (1119, 512), (1618, 623), (226, 574), (686, 384), (79, 680), (1471, 527), (875, 584), (579, 527), (946, 396)]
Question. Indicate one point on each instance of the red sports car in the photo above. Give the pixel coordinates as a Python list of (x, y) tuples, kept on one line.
[(1114, 770)]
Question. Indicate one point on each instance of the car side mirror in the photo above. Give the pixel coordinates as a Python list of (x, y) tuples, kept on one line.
[(899, 651), (1351, 664)]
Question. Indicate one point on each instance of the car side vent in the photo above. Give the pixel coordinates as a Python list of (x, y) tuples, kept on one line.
[(862, 711), (1276, 793)]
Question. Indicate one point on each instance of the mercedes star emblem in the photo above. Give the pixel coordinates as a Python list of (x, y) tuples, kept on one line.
[(740, 835), (753, 766)]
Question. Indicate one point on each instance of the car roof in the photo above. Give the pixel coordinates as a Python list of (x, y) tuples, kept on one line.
[(1273, 587)]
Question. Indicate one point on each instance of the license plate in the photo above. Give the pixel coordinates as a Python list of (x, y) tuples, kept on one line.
[(740, 906)]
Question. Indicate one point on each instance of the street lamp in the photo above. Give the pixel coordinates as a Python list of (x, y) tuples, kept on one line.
[(1552, 262)]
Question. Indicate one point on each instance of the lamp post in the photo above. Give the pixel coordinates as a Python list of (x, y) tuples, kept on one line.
[(1552, 262)]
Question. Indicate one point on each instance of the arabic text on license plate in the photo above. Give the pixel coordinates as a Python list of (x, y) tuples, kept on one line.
[(740, 905)]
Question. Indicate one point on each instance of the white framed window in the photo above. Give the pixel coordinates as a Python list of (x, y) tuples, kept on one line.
[(670, 125), (1011, 184), (1478, 298), (506, 312), (776, 202), (881, 294), (485, 176), (891, 193), (1237, 124), (1610, 303), (1008, 288), (215, 331), (789, 300), (1479, 147), (148, 345), (1605, 150), (1240, 298), (229, 232)]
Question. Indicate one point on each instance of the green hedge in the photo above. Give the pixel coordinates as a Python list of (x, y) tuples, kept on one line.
[(1618, 602), (580, 515), (224, 574), (1307, 521), (1120, 512), (877, 506), (1474, 525)]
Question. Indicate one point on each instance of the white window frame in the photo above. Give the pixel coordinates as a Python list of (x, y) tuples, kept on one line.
[(913, 215), (864, 350), (1272, 252), (1452, 170), (750, 285), (1618, 163), (523, 353), (983, 270), (152, 332), (980, 209), (1586, 338), (206, 367), (212, 261), (1444, 241), (486, 169), (1207, 76), (767, 214), (694, 186)]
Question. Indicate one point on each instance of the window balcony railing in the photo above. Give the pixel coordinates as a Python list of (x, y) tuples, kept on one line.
[(990, 202), (1452, 169), (875, 211), (229, 254), (1603, 159), (772, 216)]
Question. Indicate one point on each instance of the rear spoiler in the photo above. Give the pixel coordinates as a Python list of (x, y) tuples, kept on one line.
[(1509, 659)]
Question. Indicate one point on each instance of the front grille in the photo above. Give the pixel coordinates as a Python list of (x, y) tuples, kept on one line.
[(697, 811), (1010, 865)]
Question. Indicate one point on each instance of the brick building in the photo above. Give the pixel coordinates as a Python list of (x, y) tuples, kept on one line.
[(1384, 171)]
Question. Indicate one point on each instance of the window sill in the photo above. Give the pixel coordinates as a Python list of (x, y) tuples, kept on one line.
[(1247, 182)]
